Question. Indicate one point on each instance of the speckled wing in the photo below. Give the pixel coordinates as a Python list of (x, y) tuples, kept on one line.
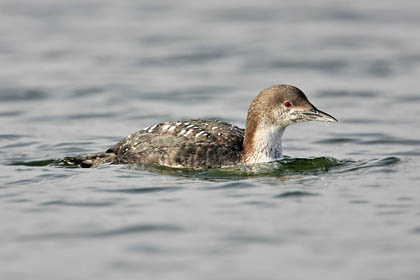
[(189, 144)]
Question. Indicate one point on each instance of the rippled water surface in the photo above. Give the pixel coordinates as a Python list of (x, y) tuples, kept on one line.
[(77, 76)]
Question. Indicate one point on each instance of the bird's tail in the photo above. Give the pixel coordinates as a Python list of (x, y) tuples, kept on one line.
[(89, 160)]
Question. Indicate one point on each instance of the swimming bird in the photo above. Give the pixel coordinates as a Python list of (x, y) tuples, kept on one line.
[(203, 144)]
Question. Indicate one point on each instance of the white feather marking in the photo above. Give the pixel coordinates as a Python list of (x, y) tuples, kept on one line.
[(188, 132), (172, 128), (165, 127), (151, 129), (199, 134), (182, 132)]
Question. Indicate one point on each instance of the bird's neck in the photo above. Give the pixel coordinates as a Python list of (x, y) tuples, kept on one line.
[(262, 143)]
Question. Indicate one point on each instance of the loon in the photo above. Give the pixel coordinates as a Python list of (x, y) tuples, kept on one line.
[(203, 144)]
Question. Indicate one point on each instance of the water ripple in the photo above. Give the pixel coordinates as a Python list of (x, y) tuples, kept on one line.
[(327, 65), (19, 144), (337, 140), (92, 115), (38, 163), (196, 56), (11, 113), (348, 93), (371, 164), (416, 230), (11, 136), (78, 204), (248, 238), (24, 95), (395, 141), (128, 230), (382, 140), (233, 185), (293, 194), (144, 190)]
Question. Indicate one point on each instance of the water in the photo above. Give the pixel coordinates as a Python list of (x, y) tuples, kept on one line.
[(77, 76)]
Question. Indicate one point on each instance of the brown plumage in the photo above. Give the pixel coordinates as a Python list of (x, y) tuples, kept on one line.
[(192, 144)]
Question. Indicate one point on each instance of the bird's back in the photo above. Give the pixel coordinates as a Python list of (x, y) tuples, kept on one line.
[(188, 144)]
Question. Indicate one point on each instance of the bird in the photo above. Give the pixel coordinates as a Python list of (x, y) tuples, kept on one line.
[(204, 144)]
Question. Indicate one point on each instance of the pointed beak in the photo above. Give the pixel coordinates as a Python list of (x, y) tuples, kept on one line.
[(316, 115)]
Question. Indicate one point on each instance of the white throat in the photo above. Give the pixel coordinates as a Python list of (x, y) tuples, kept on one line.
[(266, 144)]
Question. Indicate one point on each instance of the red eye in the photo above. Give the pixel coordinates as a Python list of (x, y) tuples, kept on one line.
[(288, 104)]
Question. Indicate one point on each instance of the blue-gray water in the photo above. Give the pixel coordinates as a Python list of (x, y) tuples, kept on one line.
[(77, 76)]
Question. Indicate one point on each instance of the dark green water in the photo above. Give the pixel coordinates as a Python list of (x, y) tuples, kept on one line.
[(79, 76), (280, 169)]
